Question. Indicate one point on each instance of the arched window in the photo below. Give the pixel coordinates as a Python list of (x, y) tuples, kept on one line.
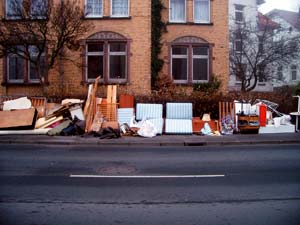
[(190, 60), (106, 55)]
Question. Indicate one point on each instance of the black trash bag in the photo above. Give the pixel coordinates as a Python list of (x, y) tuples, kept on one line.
[(108, 133), (76, 127)]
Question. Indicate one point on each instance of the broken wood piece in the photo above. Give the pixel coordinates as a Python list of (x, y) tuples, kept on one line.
[(52, 122), (18, 119), (88, 100), (62, 111), (92, 107), (44, 122), (97, 122), (70, 101)]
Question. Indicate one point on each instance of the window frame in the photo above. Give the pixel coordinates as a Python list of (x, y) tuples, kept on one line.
[(200, 57), (279, 73), (93, 15), (241, 10), (294, 71), (109, 54), (15, 81), (178, 21), (12, 17), (190, 66), (106, 61), (26, 70), (119, 16), (29, 67), (180, 57), (39, 16), (209, 13), (87, 54)]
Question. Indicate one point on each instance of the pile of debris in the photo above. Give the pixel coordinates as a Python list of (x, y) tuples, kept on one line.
[(96, 116)]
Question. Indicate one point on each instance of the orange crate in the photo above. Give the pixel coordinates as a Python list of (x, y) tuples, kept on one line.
[(109, 111)]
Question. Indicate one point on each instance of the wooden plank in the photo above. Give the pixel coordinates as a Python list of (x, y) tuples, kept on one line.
[(109, 100), (109, 93), (57, 119), (18, 119), (114, 94), (88, 101), (91, 111)]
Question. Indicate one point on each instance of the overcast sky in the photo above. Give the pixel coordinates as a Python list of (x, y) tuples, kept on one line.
[(291, 5)]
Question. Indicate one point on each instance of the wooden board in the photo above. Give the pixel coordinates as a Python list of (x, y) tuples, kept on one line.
[(18, 119)]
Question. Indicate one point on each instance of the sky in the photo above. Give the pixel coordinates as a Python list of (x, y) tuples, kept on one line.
[(290, 5)]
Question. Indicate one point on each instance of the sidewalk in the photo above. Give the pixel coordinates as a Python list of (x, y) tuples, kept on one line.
[(164, 140)]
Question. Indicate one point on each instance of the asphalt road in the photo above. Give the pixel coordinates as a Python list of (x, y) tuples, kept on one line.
[(57, 185)]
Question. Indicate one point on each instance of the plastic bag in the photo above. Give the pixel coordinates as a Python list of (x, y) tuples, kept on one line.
[(147, 129)]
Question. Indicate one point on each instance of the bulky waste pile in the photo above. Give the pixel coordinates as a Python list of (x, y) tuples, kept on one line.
[(106, 118)]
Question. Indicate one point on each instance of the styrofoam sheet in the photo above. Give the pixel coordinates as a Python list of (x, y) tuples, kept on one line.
[(272, 129), (148, 111), (178, 126), (125, 115), (179, 110), (28, 132), (158, 123)]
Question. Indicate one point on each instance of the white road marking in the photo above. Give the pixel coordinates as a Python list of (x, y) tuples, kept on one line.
[(144, 176)]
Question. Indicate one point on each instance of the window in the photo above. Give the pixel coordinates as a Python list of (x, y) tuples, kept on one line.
[(20, 70), (238, 43), (200, 64), (38, 9), (261, 44), (117, 61), (202, 11), (177, 11), (32, 72), (15, 67), (262, 77), (14, 9), (95, 60), (239, 13), (190, 64), (107, 59), (93, 8), (294, 72), (240, 71), (279, 73), (119, 8), (180, 63)]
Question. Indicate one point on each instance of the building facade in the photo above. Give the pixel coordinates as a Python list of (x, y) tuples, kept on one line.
[(244, 11), (119, 49), (195, 46), (287, 74)]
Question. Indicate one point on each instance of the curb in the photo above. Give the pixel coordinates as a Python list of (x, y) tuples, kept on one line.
[(178, 141)]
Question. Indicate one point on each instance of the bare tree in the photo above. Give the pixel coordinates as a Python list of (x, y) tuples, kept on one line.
[(39, 31), (257, 49)]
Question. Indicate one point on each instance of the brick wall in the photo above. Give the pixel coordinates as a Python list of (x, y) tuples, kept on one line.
[(137, 28), (216, 34)]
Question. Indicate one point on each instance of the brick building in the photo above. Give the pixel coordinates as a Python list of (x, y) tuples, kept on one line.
[(196, 44), (119, 48)]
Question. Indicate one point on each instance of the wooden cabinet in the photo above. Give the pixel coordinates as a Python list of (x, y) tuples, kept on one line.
[(248, 123)]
